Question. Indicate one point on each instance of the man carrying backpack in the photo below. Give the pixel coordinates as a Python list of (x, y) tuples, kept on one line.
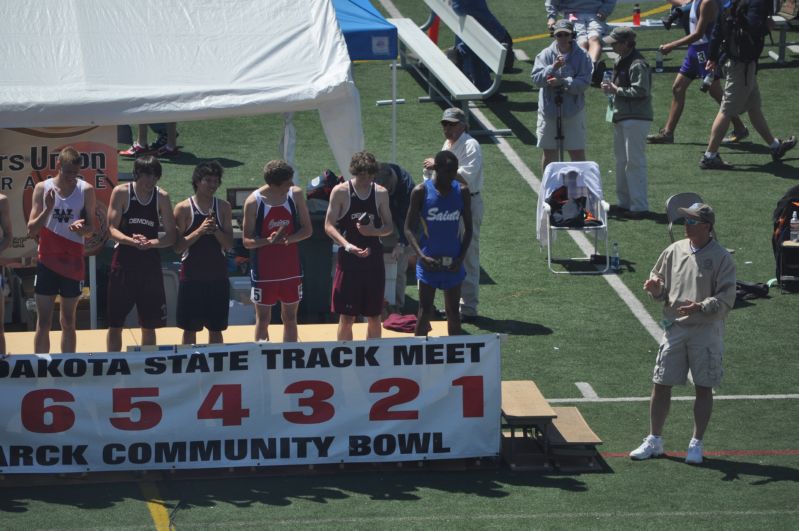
[(737, 42)]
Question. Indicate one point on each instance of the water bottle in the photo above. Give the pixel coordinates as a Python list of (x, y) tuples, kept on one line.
[(706, 82), (607, 77), (615, 263), (659, 61), (794, 227), (636, 15)]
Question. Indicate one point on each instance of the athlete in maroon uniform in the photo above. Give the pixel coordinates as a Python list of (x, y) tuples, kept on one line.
[(276, 218), (58, 217), (135, 278), (204, 231), (358, 215)]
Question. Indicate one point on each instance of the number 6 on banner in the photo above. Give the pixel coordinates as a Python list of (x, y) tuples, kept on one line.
[(34, 411)]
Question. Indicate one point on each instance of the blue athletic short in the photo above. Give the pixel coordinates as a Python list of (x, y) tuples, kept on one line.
[(693, 66)]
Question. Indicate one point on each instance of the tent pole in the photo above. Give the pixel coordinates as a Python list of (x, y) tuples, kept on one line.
[(93, 292), (394, 111)]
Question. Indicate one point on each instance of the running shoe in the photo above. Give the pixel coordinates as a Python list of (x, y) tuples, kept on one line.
[(651, 447), (785, 145), (694, 455), (714, 163), (736, 136), (167, 152), (661, 137), (134, 151)]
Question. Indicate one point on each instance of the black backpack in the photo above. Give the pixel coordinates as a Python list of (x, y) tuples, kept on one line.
[(743, 43)]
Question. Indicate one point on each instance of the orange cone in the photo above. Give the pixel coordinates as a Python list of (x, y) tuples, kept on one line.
[(432, 31)]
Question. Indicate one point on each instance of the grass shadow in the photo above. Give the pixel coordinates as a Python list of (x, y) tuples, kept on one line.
[(734, 470)]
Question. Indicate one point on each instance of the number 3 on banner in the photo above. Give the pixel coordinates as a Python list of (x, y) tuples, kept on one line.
[(321, 410)]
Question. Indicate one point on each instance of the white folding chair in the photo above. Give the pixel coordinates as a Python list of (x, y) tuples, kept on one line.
[(580, 179)]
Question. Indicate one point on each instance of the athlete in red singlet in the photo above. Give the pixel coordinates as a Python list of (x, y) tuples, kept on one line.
[(61, 216), (276, 218), (358, 215)]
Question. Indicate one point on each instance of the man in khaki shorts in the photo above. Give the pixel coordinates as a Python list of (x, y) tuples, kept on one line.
[(741, 93), (695, 279)]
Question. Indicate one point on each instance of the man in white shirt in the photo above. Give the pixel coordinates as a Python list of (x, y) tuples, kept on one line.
[(470, 173)]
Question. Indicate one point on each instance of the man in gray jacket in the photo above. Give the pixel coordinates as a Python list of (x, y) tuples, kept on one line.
[(562, 72), (631, 106)]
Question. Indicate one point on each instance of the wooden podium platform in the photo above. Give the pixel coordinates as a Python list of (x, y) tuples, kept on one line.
[(94, 340)]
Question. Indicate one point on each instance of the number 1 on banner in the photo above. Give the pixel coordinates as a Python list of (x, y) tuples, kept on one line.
[(472, 395), (230, 410)]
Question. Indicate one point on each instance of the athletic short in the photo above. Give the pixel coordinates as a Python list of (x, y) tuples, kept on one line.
[(573, 131), (269, 292), (49, 283), (696, 347), (587, 26), (203, 304), (143, 288), (741, 92), (440, 279), (359, 292), (693, 66)]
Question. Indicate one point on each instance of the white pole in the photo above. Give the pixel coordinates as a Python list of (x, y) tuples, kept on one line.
[(93, 292), (394, 111)]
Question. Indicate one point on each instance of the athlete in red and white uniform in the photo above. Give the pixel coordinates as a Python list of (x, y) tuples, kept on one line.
[(59, 218), (276, 218)]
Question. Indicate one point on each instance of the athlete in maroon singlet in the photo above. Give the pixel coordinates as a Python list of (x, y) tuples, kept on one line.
[(136, 278), (358, 215), (204, 231), (276, 218)]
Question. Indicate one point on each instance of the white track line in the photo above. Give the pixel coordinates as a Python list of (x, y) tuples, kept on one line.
[(611, 515), (587, 391), (678, 398)]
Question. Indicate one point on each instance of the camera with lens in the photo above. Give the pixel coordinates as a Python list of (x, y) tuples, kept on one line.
[(674, 16)]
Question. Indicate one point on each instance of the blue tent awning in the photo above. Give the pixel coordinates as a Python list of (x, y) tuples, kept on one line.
[(368, 35)]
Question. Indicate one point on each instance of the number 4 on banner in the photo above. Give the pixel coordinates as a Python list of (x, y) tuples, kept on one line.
[(230, 410)]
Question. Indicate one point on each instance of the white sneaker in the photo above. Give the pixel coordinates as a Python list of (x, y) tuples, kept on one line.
[(694, 455), (651, 447)]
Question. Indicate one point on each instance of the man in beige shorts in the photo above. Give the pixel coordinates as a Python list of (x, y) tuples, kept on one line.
[(695, 279), (741, 93)]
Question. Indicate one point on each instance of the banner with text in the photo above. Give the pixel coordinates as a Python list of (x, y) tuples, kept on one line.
[(251, 404), (28, 156)]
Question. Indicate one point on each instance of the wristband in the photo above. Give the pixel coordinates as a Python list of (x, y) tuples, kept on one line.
[(349, 247)]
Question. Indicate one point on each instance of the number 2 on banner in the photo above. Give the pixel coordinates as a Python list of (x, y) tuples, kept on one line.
[(230, 411)]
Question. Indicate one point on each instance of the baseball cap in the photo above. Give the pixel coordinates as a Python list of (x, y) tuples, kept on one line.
[(454, 115), (562, 26), (700, 212), (620, 34)]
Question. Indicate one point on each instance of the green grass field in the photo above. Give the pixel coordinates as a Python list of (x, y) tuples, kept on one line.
[(561, 329)]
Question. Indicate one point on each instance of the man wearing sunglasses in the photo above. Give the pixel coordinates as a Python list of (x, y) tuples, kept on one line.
[(562, 72), (695, 279)]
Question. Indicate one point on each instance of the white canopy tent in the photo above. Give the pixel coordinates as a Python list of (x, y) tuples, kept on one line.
[(107, 62), (70, 63)]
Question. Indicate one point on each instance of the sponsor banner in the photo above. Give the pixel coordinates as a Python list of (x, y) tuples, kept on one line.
[(251, 404), (28, 156)]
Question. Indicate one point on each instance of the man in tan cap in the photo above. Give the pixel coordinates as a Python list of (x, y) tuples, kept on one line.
[(631, 113), (470, 173), (695, 279)]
